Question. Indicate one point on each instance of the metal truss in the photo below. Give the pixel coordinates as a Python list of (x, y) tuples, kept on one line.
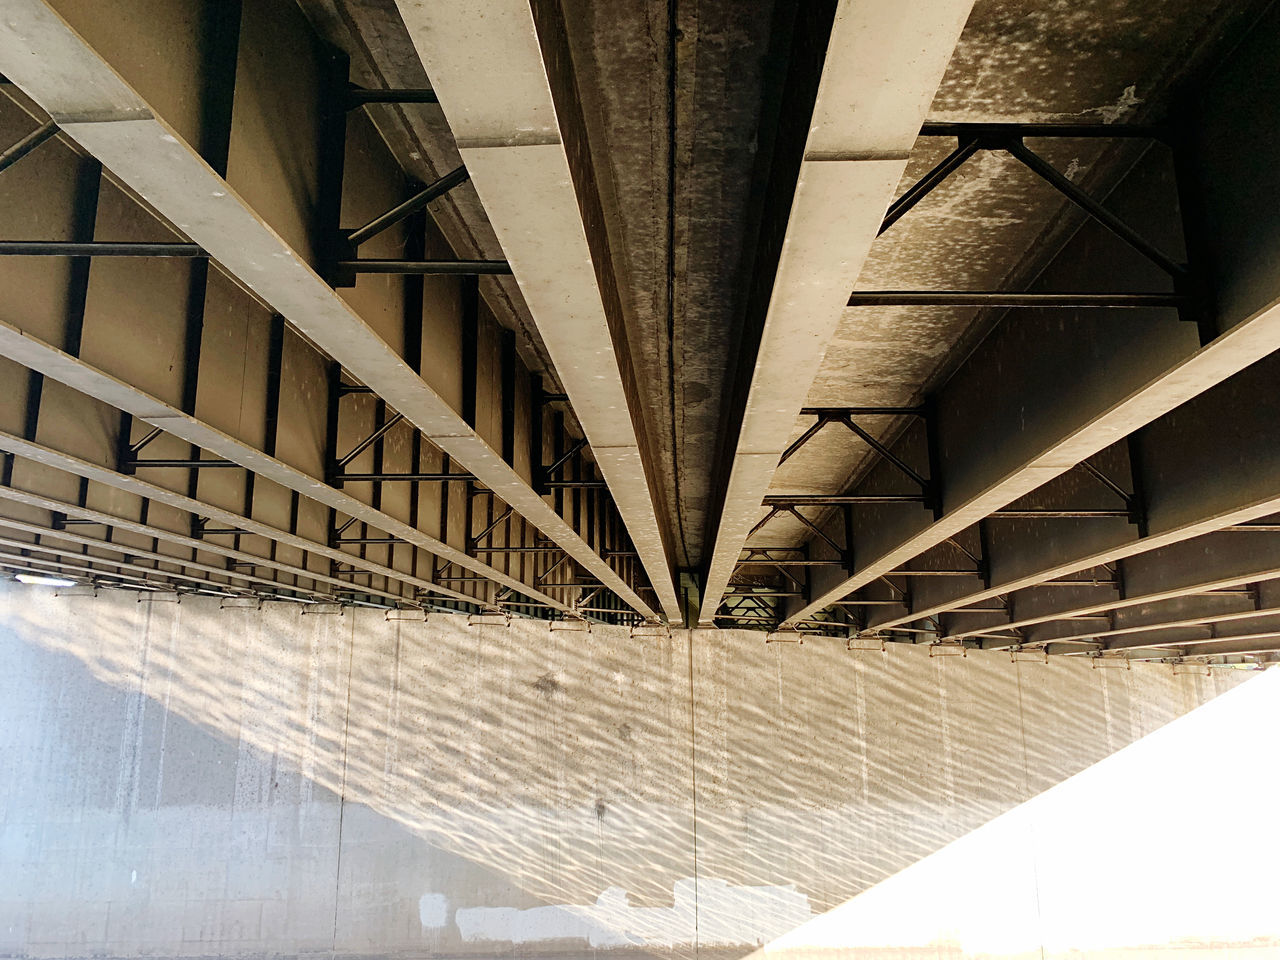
[(1085, 622), (1187, 295), (46, 131), (501, 529), (327, 322)]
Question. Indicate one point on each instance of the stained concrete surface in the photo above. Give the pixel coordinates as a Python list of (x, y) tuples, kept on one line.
[(673, 94), (187, 780)]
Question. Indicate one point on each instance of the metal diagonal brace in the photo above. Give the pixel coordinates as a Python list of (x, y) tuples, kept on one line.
[(969, 145), (493, 526), (773, 512), (564, 458), (399, 212), (364, 444), (1037, 165), (884, 452), (817, 530), (823, 420), (27, 144)]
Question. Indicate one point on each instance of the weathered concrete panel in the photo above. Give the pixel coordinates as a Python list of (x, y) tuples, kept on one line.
[(187, 781)]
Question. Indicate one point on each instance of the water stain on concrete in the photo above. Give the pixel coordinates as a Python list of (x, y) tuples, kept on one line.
[(547, 685)]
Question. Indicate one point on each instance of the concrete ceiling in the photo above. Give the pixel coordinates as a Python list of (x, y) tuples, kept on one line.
[(676, 92)]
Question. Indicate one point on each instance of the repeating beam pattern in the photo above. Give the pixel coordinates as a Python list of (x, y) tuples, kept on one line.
[(108, 118), (497, 509), (851, 130), (522, 139)]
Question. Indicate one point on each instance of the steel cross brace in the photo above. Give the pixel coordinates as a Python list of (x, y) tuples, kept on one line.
[(1009, 138), (776, 509), (45, 131), (339, 263), (845, 415)]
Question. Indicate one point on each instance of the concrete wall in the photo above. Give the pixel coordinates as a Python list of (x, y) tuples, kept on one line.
[(180, 780)]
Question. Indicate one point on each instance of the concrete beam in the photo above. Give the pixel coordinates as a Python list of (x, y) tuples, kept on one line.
[(1249, 341), (94, 106), (1204, 620), (39, 453), (883, 64), (159, 533), (1193, 568), (66, 536), (1261, 643), (1238, 643), (68, 554), (1245, 644), (1185, 492), (1118, 386), (520, 133), (78, 566), (75, 373), (1076, 564)]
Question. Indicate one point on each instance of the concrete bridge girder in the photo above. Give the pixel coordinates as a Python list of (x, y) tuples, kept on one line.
[(305, 296), (524, 144), (882, 66), (1186, 498), (1085, 384)]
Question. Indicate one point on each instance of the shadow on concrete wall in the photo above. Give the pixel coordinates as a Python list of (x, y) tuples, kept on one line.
[(129, 830), (529, 789)]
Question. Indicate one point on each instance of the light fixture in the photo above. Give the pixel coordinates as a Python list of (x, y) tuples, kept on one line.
[(45, 581)]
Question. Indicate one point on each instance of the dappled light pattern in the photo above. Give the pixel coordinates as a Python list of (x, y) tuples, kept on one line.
[(1144, 855), (599, 773)]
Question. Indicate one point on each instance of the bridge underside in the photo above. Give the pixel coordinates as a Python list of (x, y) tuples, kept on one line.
[(691, 370), (951, 327)]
